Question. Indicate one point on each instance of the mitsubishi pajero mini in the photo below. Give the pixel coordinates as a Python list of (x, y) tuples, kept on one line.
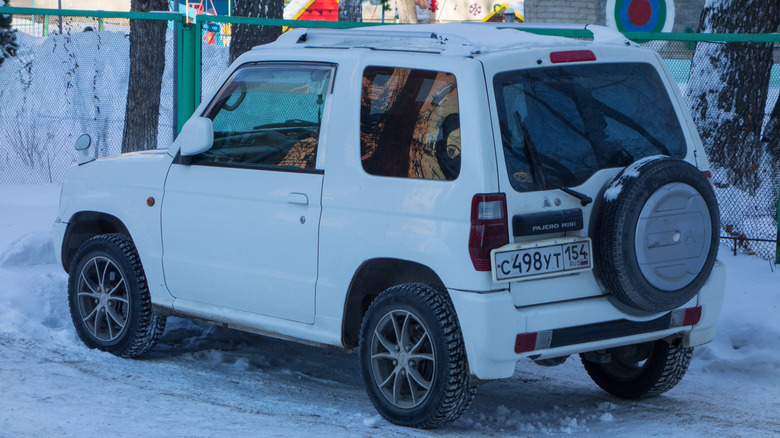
[(446, 200)]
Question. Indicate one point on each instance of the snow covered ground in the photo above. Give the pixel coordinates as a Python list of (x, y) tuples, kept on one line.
[(206, 381)]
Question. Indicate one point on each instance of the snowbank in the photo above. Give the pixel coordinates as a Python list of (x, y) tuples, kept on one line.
[(747, 345), (202, 380)]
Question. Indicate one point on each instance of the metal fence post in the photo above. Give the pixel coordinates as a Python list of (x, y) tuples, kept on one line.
[(187, 70), (45, 25), (777, 253), (101, 24)]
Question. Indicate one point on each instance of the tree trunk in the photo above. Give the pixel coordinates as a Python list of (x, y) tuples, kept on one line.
[(245, 36), (772, 135), (727, 90), (147, 62), (351, 10), (406, 11)]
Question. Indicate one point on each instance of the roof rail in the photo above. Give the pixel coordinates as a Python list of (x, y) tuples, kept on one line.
[(459, 39), (379, 39)]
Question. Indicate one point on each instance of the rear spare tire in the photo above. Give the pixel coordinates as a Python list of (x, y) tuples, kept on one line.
[(656, 234)]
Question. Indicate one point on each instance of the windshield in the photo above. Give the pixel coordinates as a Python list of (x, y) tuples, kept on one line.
[(560, 125)]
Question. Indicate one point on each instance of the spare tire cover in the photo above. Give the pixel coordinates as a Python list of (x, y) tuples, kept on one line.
[(656, 234)]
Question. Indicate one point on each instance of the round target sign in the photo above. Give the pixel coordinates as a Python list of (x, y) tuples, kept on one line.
[(641, 15)]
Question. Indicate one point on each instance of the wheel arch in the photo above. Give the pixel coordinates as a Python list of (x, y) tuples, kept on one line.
[(372, 278), (85, 225)]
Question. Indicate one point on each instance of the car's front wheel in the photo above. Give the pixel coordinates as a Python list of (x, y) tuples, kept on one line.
[(412, 357), (109, 300), (641, 370)]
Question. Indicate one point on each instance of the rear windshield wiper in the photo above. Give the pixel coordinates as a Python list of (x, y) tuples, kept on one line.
[(584, 199), (533, 154)]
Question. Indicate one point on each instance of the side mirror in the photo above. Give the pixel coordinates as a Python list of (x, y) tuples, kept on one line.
[(196, 136), (82, 145)]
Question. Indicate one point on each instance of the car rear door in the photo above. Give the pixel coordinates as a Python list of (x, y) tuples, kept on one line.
[(568, 119)]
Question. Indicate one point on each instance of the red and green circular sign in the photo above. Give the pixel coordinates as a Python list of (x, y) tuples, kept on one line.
[(641, 15)]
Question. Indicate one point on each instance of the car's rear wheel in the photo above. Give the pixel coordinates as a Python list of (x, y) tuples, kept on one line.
[(641, 370), (109, 300), (412, 357)]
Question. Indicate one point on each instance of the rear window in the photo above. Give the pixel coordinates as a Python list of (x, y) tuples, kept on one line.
[(560, 125)]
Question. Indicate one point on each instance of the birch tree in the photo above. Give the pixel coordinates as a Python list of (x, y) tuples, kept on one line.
[(728, 87), (245, 36)]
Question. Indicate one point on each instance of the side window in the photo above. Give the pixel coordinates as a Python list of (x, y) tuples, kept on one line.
[(409, 123), (268, 115)]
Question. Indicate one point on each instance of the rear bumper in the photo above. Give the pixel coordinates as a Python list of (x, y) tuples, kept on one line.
[(490, 324)]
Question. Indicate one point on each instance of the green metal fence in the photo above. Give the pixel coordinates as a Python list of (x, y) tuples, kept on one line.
[(67, 80)]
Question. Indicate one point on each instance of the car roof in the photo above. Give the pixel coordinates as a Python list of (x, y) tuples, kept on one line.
[(459, 39)]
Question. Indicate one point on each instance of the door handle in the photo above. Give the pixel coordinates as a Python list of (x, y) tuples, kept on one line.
[(298, 198)]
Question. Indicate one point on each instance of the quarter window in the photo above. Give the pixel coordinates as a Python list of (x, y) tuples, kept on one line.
[(409, 123), (268, 115)]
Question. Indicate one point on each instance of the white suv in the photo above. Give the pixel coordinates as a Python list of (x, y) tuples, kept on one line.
[(446, 199)]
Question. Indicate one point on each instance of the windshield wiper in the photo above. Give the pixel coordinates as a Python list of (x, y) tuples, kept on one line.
[(584, 199), (533, 154)]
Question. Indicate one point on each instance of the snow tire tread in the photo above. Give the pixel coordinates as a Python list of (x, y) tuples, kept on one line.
[(663, 370), (150, 326), (458, 392)]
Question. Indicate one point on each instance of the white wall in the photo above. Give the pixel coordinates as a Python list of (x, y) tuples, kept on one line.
[(106, 5)]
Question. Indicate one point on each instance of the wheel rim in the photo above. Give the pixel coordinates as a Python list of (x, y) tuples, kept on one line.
[(102, 299), (403, 359)]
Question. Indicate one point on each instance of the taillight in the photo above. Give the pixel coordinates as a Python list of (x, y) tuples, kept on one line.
[(572, 56), (489, 229), (685, 317), (707, 174)]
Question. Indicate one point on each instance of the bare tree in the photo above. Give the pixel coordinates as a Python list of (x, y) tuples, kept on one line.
[(406, 11), (147, 63), (351, 10), (728, 87), (245, 36)]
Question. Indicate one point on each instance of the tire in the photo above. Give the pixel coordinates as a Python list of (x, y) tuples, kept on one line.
[(642, 370), (656, 235), (109, 300), (423, 318)]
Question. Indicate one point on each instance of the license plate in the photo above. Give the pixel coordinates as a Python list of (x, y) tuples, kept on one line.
[(541, 259)]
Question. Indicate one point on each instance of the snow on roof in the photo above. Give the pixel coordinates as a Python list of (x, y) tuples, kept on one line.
[(451, 38)]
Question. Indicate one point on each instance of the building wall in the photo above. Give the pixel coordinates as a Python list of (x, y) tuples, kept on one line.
[(687, 12), (565, 11), (105, 5)]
